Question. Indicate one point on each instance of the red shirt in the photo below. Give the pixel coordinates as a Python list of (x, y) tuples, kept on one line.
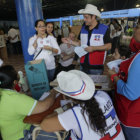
[(134, 46)]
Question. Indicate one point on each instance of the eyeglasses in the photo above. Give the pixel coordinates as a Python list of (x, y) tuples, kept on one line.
[(41, 26)]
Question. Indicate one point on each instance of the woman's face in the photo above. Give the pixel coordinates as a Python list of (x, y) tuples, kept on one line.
[(116, 54), (40, 27), (137, 35), (72, 36), (49, 28)]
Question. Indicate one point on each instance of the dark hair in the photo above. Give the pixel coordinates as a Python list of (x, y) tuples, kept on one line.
[(124, 51), (53, 27), (37, 21), (95, 114), (7, 76)]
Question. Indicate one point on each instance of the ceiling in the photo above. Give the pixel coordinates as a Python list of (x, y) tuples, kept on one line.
[(60, 8)]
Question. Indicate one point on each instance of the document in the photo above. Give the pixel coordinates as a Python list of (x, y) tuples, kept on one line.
[(80, 50)]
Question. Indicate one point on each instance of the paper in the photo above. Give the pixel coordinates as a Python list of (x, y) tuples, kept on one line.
[(46, 94), (114, 64), (44, 42), (80, 50)]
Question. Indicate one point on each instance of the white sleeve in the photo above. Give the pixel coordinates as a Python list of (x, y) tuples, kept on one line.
[(31, 49), (54, 44), (68, 120)]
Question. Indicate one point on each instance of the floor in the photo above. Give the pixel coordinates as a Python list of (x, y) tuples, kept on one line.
[(18, 62)]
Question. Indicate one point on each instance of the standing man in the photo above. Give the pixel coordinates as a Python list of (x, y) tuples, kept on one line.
[(14, 38), (97, 37)]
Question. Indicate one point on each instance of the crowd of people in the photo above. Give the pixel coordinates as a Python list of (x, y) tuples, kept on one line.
[(92, 115)]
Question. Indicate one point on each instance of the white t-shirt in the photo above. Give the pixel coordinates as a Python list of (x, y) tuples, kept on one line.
[(73, 120), (68, 50), (12, 33), (47, 55)]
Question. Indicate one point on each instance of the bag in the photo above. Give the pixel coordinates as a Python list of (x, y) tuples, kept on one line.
[(37, 77)]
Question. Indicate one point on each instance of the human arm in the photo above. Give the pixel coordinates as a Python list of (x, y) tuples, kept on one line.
[(68, 56), (64, 121), (53, 46), (46, 103), (71, 42), (104, 47), (107, 44), (131, 88), (32, 45)]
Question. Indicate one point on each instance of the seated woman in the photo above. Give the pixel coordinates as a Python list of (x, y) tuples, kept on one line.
[(15, 106), (127, 95), (135, 41), (92, 116), (44, 46)]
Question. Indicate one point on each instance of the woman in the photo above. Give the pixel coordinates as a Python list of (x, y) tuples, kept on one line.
[(92, 117), (127, 95), (135, 41), (14, 107), (44, 46), (50, 28)]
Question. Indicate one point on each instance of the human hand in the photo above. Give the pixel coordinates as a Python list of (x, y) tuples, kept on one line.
[(111, 72), (47, 48), (89, 49)]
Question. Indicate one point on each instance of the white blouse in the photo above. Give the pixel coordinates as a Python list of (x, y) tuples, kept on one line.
[(47, 55)]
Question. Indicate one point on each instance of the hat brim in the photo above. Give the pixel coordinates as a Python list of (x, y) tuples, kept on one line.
[(89, 89), (83, 11)]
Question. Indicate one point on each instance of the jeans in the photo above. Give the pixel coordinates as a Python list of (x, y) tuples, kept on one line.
[(49, 136), (92, 71), (131, 133), (51, 74)]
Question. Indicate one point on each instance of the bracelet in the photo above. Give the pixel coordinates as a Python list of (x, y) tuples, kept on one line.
[(112, 77)]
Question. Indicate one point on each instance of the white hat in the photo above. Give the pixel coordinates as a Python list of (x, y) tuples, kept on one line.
[(75, 84), (90, 9)]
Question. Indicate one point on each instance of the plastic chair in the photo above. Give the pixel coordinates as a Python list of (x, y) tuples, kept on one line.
[(37, 128)]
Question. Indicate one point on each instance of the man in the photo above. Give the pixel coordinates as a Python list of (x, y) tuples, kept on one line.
[(97, 37), (14, 38)]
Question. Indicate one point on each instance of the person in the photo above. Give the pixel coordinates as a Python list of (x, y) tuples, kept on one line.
[(93, 114), (14, 107), (44, 46), (121, 53), (13, 38), (115, 33), (127, 97), (50, 28), (96, 37), (67, 55), (135, 41)]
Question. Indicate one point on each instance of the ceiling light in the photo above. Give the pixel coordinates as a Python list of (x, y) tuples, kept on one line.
[(102, 9), (137, 5)]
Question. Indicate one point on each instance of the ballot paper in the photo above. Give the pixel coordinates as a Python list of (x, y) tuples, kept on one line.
[(44, 42), (46, 94), (80, 50), (114, 64)]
